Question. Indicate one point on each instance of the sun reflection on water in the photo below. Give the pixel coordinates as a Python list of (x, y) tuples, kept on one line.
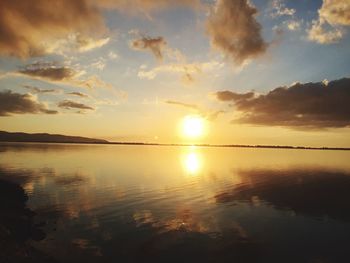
[(192, 163)]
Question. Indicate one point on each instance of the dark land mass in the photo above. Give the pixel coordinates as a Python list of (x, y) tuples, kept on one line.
[(17, 227), (58, 138), (45, 137)]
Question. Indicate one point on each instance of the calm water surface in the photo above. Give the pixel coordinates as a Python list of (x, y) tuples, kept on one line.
[(115, 203)]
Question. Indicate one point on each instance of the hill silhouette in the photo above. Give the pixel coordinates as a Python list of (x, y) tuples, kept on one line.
[(45, 137)]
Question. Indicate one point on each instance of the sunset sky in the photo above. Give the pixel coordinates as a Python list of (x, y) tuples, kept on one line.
[(253, 72)]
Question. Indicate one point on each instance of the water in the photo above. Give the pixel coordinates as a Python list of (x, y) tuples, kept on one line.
[(110, 203)]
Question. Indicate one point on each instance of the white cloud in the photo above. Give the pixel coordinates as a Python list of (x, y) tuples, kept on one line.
[(112, 55), (293, 25), (334, 16), (279, 9)]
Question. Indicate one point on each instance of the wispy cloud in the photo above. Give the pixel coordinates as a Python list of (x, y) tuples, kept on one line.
[(186, 105), (34, 89), (79, 94), (53, 73), (187, 71), (68, 104), (209, 115)]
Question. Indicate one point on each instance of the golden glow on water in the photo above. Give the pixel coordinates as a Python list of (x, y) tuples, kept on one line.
[(192, 163), (104, 191), (193, 126)]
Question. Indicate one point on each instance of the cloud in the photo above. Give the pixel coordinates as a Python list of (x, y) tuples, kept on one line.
[(187, 70), (308, 105), (293, 25), (336, 12), (186, 105), (49, 71), (86, 43), (279, 9), (234, 31), (233, 96), (213, 115), (30, 29), (155, 45), (16, 103), (146, 6), (68, 104), (52, 73), (99, 64), (79, 94), (319, 34), (177, 61), (75, 42), (206, 114), (34, 89), (334, 16), (112, 55)]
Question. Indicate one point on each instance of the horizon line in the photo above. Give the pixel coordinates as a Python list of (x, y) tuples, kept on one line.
[(261, 146), (22, 137)]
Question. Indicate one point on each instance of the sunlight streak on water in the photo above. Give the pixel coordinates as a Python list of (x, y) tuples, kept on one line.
[(192, 163)]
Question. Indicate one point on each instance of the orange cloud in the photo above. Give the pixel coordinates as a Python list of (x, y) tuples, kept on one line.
[(334, 16), (29, 28)]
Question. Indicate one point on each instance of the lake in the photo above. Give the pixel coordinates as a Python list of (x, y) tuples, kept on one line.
[(119, 203)]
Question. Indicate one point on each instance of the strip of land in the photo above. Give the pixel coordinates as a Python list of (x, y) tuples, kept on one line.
[(58, 138)]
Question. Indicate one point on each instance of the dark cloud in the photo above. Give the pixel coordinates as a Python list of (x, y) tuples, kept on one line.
[(233, 96), (15, 103), (308, 105), (38, 90), (48, 71), (68, 104), (234, 30), (155, 45), (55, 73), (79, 94)]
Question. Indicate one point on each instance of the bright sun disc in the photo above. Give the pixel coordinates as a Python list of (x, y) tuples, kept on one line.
[(193, 126)]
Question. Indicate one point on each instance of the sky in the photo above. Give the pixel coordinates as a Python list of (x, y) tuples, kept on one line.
[(272, 72)]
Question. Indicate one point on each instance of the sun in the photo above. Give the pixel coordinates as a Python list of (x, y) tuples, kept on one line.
[(193, 126)]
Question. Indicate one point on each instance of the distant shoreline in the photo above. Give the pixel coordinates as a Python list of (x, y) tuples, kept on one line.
[(191, 145), (20, 137)]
